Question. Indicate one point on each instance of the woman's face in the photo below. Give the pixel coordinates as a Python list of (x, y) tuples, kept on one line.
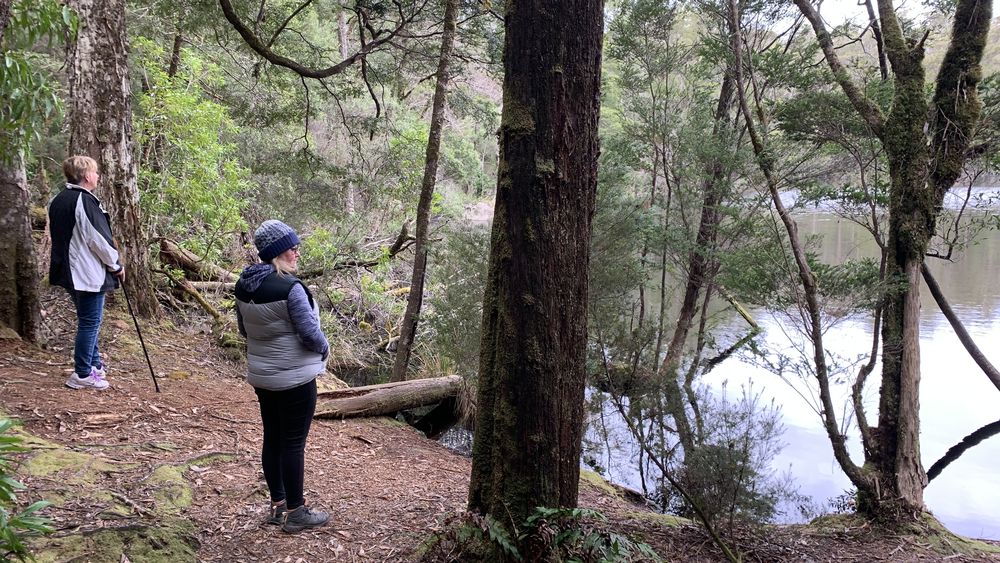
[(290, 258)]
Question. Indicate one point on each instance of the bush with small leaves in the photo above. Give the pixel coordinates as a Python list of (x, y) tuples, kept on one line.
[(15, 526)]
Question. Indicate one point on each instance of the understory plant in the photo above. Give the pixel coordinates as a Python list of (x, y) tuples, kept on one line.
[(548, 535), (15, 527)]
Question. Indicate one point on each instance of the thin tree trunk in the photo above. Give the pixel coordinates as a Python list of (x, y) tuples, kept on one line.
[(344, 41), (175, 55), (19, 308), (698, 264), (415, 300), (810, 289), (529, 423), (100, 126)]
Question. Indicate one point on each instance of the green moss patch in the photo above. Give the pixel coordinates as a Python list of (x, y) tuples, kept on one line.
[(69, 465), (173, 493), (599, 482), (667, 520), (173, 540)]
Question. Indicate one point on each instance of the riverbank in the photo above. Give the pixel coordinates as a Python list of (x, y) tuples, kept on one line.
[(136, 475)]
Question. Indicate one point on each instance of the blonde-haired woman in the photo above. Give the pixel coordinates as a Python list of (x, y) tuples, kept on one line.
[(286, 350)]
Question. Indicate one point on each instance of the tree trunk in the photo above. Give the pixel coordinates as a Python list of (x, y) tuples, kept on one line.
[(100, 126), (529, 423), (925, 158), (388, 398), (5, 6), (413, 303), (698, 267), (19, 309)]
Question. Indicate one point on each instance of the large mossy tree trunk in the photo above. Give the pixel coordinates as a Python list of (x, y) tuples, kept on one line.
[(912, 213), (100, 126), (529, 421), (19, 308), (925, 159), (416, 297)]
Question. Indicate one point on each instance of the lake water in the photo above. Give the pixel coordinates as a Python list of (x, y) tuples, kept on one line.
[(956, 397)]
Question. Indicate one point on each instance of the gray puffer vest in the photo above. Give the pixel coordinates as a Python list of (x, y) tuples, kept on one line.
[(277, 359)]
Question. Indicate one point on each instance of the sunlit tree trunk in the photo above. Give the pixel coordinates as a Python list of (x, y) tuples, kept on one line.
[(100, 126), (529, 422), (416, 297)]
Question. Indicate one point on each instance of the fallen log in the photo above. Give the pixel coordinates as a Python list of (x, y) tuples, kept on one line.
[(387, 398), (196, 268), (228, 287)]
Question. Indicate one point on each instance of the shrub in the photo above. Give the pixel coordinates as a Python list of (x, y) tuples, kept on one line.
[(14, 527), (550, 534)]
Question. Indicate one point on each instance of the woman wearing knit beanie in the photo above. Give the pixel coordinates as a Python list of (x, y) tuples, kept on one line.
[(286, 350)]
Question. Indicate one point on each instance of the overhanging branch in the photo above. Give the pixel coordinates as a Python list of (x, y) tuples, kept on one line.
[(264, 50)]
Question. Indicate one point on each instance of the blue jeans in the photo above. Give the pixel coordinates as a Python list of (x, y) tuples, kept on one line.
[(89, 314), (287, 416)]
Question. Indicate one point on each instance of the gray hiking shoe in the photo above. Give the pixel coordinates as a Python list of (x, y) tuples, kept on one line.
[(277, 513), (303, 517)]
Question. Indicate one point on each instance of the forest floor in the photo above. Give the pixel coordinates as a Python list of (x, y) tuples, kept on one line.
[(136, 475)]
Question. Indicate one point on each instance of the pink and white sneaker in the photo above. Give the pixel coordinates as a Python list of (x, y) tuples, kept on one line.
[(93, 381)]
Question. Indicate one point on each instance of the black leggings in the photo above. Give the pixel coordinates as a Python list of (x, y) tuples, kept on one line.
[(287, 416)]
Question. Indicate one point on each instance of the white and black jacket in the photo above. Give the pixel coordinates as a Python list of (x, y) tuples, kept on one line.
[(84, 257)]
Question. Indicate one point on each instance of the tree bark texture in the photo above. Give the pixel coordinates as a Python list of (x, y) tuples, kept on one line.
[(413, 303), (100, 126), (529, 422), (19, 309), (5, 6), (388, 398)]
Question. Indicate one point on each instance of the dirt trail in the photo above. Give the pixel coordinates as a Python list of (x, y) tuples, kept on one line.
[(140, 476)]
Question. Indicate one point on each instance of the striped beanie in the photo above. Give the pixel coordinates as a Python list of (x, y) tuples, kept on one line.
[(272, 238)]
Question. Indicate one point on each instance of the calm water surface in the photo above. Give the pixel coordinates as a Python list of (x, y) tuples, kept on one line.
[(956, 397)]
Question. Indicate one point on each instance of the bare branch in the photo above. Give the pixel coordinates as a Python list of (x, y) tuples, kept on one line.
[(954, 452), (956, 324), (379, 38), (284, 24)]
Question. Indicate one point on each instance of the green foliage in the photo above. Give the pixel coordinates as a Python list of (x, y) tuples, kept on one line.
[(193, 184), (14, 527), (406, 155), (729, 475), (29, 99), (462, 163), (455, 292), (570, 535)]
